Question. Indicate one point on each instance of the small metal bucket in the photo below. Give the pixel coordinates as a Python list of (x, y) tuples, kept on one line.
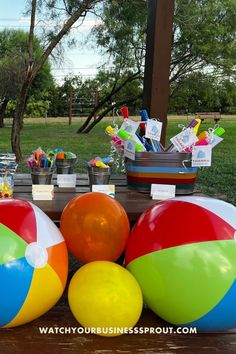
[(98, 175), (41, 176), (161, 168), (65, 166)]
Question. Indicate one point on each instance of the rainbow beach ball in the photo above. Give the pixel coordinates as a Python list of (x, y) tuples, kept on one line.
[(183, 254), (33, 263)]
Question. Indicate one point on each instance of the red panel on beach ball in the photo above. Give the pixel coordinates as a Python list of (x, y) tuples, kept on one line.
[(23, 222), (174, 223)]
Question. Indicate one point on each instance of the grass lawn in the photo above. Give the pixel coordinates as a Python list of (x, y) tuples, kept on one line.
[(219, 180)]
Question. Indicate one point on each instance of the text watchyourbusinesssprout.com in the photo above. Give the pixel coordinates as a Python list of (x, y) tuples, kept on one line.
[(117, 330)]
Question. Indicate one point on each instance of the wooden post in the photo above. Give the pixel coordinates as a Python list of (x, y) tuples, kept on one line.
[(70, 106), (157, 62)]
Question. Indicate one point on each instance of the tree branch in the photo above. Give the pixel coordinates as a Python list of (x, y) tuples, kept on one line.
[(107, 110), (106, 99), (85, 6)]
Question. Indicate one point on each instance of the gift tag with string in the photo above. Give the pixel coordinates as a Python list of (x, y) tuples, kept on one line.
[(153, 129), (184, 139)]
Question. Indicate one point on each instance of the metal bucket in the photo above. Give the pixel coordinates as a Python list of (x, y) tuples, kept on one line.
[(41, 176), (161, 168), (65, 166), (98, 175)]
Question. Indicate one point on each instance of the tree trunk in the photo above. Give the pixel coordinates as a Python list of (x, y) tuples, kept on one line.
[(18, 120), (2, 111), (33, 69), (15, 139)]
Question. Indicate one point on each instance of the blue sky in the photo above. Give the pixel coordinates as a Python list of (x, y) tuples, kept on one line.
[(79, 60)]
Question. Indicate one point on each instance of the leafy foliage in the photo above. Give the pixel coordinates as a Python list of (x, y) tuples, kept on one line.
[(200, 92), (204, 46), (122, 33), (204, 37), (13, 65)]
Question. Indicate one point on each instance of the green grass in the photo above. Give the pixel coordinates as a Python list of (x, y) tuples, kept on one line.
[(219, 180), (54, 135)]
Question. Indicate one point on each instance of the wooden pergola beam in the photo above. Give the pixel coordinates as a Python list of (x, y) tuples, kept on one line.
[(157, 62)]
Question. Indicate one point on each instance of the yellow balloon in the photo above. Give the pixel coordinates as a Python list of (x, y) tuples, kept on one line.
[(105, 298)]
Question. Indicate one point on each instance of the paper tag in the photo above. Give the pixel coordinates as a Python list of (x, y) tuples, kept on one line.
[(184, 139), (129, 149), (129, 126), (66, 180), (42, 191), (153, 129), (42, 196), (108, 189), (201, 156), (162, 191), (42, 188), (214, 140)]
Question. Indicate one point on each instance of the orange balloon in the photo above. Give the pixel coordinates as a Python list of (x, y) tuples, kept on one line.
[(95, 227)]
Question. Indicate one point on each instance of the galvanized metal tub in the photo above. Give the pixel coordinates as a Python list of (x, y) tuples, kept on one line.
[(161, 168)]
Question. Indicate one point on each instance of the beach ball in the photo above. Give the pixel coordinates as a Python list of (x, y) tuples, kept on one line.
[(95, 227), (33, 263), (105, 298), (183, 253)]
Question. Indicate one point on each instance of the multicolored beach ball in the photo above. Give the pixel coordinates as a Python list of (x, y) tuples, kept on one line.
[(33, 263), (183, 254)]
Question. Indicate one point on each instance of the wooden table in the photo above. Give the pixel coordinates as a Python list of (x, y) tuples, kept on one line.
[(27, 339), (134, 202)]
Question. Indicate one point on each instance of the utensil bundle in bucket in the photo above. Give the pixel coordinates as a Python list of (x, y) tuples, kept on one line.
[(42, 165), (161, 168)]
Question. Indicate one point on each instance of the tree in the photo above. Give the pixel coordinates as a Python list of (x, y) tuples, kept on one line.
[(113, 95), (122, 37), (203, 40), (10, 75), (226, 91), (11, 67), (195, 92), (85, 94), (13, 49), (200, 92), (73, 88), (65, 14)]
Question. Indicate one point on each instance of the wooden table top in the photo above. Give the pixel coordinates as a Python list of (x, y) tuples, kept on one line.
[(27, 339), (133, 202)]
